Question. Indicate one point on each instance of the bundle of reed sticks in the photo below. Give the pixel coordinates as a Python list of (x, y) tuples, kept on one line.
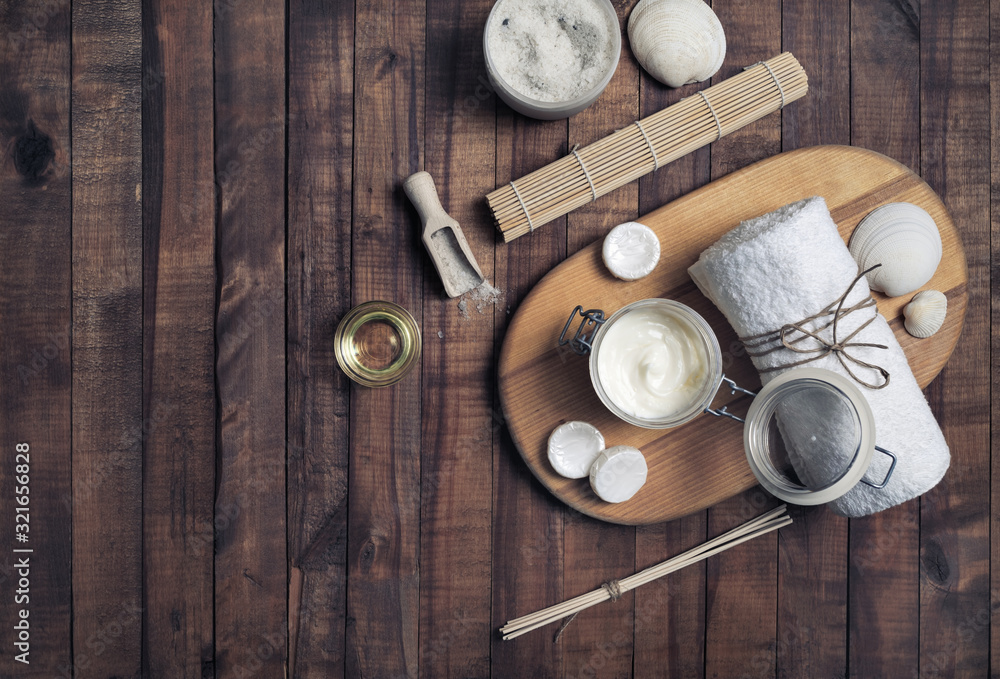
[(588, 173), (765, 523)]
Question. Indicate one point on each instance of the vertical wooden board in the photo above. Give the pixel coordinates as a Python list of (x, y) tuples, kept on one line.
[(599, 643), (35, 293), (753, 33), (108, 425), (741, 590), (617, 107), (741, 594), (178, 338), (384, 476), (994, 331), (812, 595), (818, 33), (459, 422), (250, 544), (684, 174), (320, 145), (883, 596), (885, 74), (670, 614), (812, 552), (954, 159), (527, 520)]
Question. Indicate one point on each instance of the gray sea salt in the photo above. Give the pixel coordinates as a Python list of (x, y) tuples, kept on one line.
[(485, 295), (551, 50), (452, 261), (482, 296)]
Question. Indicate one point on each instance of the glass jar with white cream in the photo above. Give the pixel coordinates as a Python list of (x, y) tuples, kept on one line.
[(656, 363)]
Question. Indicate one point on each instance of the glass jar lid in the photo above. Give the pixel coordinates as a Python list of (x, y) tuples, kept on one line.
[(809, 436)]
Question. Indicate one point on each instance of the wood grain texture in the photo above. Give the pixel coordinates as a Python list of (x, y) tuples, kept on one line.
[(527, 525), (35, 375), (994, 390), (250, 543), (108, 425), (670, 613), (178, 311), (812, 554), (740, 585), (883, 613), (595, 551), (954, 158), (542, 385), (459, 423), (400, 527), (320, 157), (384, 478), (670, 620)]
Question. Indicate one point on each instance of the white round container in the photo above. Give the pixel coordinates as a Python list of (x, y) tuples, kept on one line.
[(547, 110)]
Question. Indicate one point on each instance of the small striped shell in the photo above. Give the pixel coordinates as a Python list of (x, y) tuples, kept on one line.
[(904, 239), (677, 41), (925, 313)]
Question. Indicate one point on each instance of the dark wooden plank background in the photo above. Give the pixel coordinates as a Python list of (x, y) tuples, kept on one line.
[(193, 192)]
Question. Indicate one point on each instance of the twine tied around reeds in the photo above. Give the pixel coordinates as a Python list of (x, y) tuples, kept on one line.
[(615, 592), (791, 334)]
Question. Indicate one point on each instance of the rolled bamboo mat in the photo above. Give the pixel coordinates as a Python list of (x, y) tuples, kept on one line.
[(648, 144)]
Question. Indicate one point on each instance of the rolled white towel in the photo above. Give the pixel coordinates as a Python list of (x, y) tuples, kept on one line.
[(788, 265)]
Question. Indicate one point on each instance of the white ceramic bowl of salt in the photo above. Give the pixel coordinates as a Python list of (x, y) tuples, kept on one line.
[(551, 59)]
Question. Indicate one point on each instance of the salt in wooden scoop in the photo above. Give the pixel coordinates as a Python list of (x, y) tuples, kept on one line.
[(443, 237)]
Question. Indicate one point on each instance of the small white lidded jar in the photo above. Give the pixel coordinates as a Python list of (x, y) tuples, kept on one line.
[(550, 59)]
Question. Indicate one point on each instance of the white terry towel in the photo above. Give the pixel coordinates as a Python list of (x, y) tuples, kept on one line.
[(786, 266)]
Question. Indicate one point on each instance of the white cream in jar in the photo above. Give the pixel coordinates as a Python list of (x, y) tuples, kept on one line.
[(653, 364)]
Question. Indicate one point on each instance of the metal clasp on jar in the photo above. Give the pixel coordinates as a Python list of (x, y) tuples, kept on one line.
[(582, 341), (733, 389)]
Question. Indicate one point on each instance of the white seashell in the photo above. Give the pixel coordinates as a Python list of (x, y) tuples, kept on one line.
[(677, 41), (925, 313), (904, 239)]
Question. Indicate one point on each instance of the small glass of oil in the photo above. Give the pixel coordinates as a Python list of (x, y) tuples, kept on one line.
[(377, 343)]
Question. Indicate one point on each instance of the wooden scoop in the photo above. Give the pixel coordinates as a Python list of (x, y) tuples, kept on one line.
[(443, 237)]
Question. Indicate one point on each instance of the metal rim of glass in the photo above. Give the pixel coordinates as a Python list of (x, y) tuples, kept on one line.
[(712, 350), (405, 327), (756, 433)]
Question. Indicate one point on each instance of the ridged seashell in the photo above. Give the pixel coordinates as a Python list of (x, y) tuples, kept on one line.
[(925, 313), (904, 239), (677, 41)]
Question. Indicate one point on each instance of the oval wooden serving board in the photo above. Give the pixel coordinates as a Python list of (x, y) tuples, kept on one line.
[(702, 462)]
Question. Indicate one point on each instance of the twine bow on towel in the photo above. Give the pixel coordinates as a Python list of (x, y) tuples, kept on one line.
[(792, 334)]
